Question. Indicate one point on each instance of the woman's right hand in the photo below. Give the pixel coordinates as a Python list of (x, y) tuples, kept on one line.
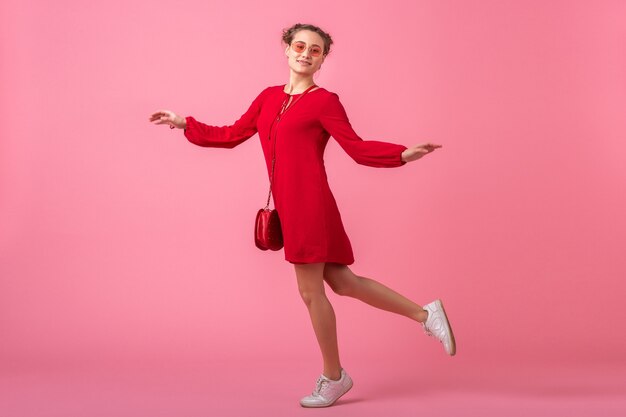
[(417, 151), (168, 117)]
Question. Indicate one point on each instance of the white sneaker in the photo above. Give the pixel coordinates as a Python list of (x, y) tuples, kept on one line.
[(437, 325), (327, 391)]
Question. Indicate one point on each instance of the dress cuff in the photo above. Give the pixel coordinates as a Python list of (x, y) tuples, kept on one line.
[(187, 123), (401, 161)]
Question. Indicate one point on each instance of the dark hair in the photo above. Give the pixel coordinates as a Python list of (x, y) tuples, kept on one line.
[(289, 33)]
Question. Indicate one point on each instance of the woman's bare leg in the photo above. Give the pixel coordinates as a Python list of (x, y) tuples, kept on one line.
[(344, 282), (311, 286)]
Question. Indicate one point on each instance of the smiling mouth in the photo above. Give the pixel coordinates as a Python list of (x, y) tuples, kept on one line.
[(304, 62)]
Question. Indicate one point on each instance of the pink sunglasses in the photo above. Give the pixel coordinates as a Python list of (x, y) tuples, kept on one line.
[(300, 46)]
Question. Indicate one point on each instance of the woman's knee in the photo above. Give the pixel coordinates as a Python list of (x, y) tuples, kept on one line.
[(310, 282), (311, 295), (341, 279)]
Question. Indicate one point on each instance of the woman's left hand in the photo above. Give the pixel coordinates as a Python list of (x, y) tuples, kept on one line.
[(416, 152)]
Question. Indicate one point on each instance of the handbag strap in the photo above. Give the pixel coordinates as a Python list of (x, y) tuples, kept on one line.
[(284, 108)]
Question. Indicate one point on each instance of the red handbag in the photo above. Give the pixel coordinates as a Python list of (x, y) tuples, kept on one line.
[(268, 233)]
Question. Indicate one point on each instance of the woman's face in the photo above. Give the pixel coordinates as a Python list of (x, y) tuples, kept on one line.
[(304, 62)]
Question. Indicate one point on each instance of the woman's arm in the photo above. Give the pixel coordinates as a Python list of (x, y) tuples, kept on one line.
[(371, 153), (244, 128)]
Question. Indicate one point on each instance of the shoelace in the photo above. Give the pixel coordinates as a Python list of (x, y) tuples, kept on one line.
[(429, 333), (319, 385)]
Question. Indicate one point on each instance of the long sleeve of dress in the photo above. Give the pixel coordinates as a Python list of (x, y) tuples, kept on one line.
[(365, 152), (225, 136)]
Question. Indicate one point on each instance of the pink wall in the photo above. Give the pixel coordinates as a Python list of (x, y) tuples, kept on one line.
[(120, 239)]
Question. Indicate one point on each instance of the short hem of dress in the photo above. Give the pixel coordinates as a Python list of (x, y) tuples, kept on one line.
[(319, 261)]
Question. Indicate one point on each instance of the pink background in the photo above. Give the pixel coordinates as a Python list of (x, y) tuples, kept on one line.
[(129, 280)]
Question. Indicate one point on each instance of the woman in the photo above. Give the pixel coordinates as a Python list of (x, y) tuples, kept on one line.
[(315, 241)]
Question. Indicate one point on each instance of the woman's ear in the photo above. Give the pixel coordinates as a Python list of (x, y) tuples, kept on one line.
[(287, 51)]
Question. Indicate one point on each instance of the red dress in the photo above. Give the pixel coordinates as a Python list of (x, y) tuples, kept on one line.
[(309, 216)]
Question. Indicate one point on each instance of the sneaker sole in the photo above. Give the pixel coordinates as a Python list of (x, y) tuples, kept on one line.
[(448, 328), (329, 404)]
